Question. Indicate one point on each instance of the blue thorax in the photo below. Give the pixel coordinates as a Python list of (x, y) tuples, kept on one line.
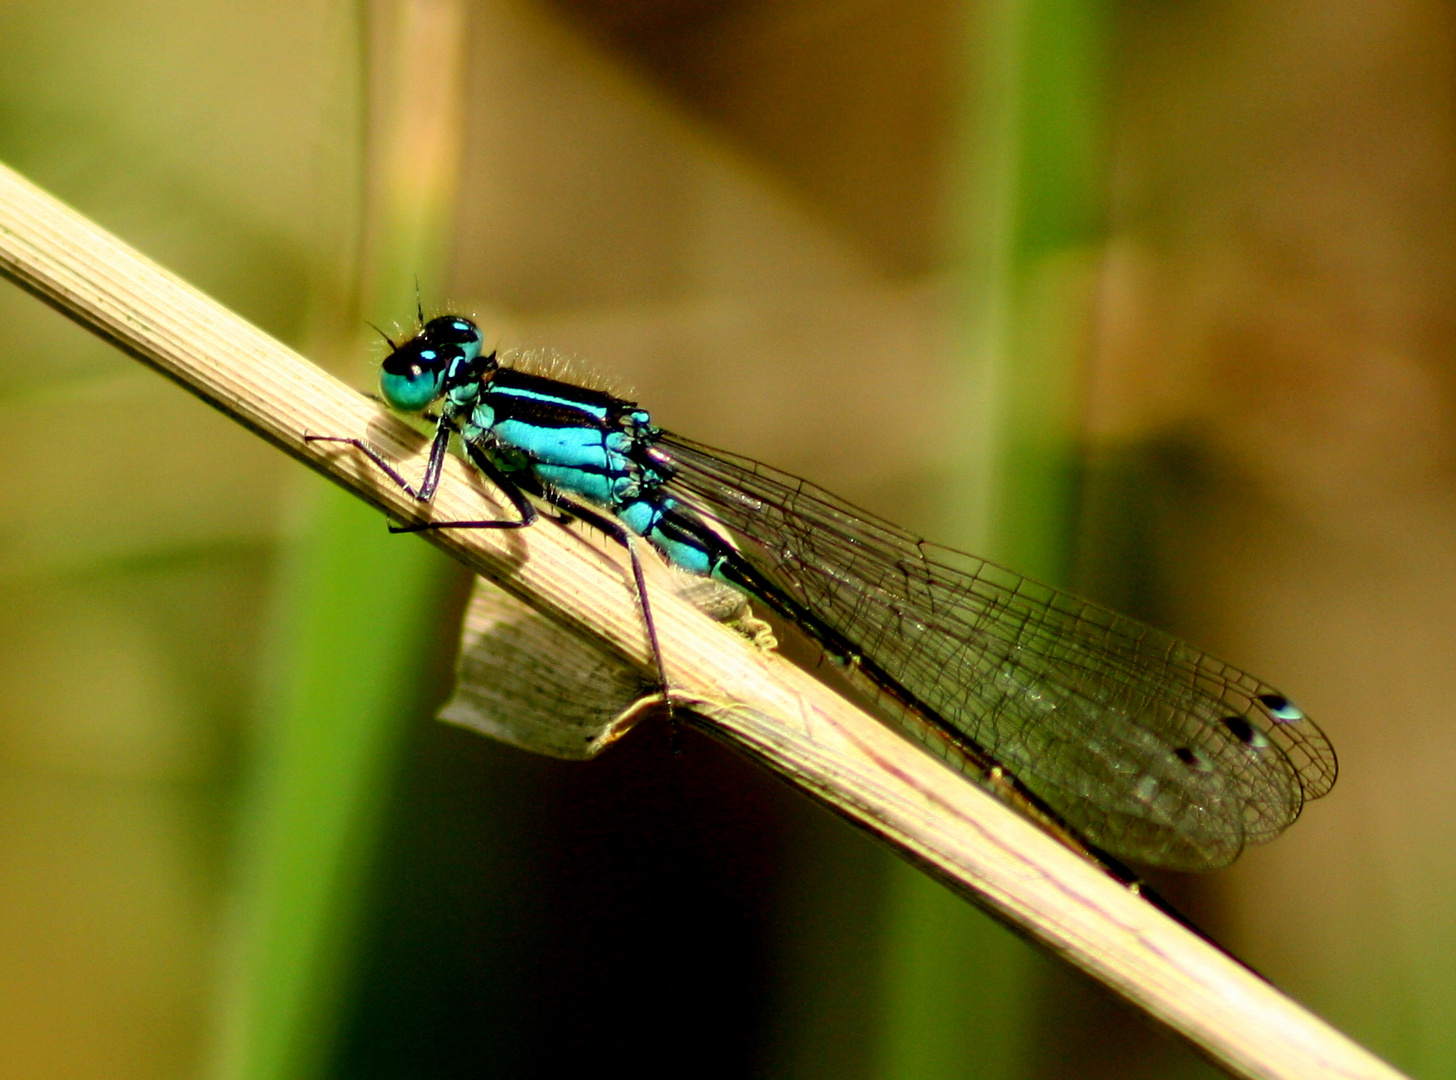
[(566, 439)]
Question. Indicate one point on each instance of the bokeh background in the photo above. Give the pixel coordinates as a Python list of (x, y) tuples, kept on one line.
[(1151, 299)]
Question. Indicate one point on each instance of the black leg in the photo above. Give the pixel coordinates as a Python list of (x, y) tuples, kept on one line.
[(528, 514), (481, 460), (628, 541), (574, 511), (439, 447), (503, 482), (641, 580), (431, 480), (428, 526)]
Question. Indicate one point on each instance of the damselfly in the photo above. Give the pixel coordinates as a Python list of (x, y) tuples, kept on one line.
[(1148, 748)]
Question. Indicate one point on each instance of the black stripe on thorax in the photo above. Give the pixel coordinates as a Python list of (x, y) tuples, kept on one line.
[(544, 413), (548, 402)]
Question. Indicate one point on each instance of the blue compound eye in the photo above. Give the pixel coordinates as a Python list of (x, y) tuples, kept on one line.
[(410, 392), (453, 333), (410, 377)]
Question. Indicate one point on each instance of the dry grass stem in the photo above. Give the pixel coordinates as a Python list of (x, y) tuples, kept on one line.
[(761, 704)]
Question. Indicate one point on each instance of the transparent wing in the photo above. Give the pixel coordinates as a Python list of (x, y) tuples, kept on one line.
[(1152, 750)]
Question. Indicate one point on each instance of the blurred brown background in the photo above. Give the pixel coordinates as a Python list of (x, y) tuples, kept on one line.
[(1151, 298)]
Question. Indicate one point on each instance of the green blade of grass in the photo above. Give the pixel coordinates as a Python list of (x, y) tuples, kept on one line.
[(357, 615), (960, 989), (357, 609)]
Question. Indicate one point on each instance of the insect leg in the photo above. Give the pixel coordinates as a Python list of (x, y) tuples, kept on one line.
[(431, 480), (507, 486), (628, 541)]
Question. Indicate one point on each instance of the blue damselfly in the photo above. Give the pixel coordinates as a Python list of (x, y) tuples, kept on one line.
[(1147, 748)]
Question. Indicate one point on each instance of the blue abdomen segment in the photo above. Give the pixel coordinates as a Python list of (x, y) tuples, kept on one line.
[(660, 521)]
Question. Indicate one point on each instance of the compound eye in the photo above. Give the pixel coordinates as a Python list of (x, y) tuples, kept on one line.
[(454, 331), (410, 377)]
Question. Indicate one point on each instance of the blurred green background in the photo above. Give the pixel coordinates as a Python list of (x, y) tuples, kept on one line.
[(1151, 299)]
